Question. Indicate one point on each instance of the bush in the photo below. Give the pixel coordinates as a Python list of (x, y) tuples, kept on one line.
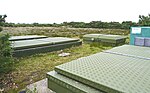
[(5, 54), (5, 49), (1, 29)]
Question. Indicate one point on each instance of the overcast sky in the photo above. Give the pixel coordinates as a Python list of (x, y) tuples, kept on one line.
[(58, 11)]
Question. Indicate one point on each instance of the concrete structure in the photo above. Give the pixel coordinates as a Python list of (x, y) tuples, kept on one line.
[(123, 69), (29, 46), (104, 39)]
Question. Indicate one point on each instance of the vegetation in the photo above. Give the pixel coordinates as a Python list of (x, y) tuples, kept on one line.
[(61, 31), (100, 24), (2, 21), (1, 29), (93, 24), (5, 49), (2, 18), (144, 20), (6, 62)]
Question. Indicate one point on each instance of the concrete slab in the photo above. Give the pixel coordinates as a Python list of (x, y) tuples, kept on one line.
[(40, 86)]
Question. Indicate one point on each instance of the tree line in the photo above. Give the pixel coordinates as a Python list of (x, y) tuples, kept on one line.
[(143, 21), (93, 24)]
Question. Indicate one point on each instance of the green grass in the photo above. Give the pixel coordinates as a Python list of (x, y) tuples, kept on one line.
[(33, 68)]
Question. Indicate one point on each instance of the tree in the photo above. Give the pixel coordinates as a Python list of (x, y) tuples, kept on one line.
[(144, 20), (2, 21), (2, 18)]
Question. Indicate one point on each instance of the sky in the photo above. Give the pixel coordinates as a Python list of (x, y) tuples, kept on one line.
[(58, 11)]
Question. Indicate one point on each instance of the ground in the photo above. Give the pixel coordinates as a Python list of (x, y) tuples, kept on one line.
[(34, 68)]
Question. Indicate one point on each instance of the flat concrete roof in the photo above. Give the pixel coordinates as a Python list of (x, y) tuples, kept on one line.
[(24, 44), (110, 72)]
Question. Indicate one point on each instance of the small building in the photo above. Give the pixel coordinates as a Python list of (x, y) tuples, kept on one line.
[(29, 45), (140, 36), (104, 39)]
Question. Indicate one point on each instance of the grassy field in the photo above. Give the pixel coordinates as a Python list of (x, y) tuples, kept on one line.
[(33, 68), (61, 31)]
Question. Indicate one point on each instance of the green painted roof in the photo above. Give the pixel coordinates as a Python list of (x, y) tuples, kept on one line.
[(58, 40), (26, 37), (70, 84), (24, 44), (42, 49), (104, 36), (133, 51), (92, 35), (111, 37), (110, 73)]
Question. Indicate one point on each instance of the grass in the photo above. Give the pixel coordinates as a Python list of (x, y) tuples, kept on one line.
[(61, 31), (33, 68)]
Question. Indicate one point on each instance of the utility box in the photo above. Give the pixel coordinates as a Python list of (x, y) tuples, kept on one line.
[(140, 36), (139, 41), (147, 42)]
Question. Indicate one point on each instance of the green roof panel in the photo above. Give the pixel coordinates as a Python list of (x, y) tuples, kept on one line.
[(104, 38), (43, 49), (131, 50), (92, 35), (58, 40), (24, 44), (62, 84), (110, 73), (34, 46)]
